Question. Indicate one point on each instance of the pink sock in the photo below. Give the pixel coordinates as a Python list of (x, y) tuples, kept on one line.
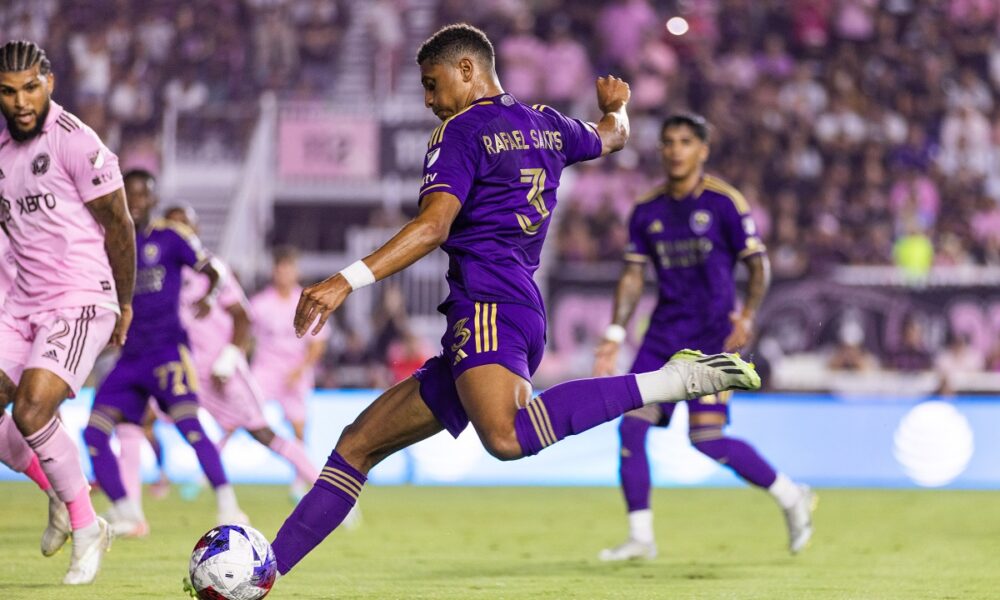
[(36, 474), (131, 438), (60, 460), (14, 451), (295, 453), (81, 511)]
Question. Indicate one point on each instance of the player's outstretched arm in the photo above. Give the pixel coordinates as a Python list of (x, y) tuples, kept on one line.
[(428, 230), (758, 282), (612, 97), (627, 296), (204, 304), (111, 211)]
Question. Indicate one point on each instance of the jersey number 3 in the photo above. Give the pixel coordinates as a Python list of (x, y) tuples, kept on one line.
[(536, 177)]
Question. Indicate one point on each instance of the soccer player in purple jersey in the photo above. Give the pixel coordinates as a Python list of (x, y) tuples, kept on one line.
[(155, 360), (489, 187), (694, 230), (63, 208)]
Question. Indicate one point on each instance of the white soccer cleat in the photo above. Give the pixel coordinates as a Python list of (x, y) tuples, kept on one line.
[(353, 519), (630, 550), (709, 374), (233, 517), (88, 550), (126, 525), (799, 520), (58, 530)]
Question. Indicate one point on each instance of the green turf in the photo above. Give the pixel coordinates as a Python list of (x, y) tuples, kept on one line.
[(541, 543)]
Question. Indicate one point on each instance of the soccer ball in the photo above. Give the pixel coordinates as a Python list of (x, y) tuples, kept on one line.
[(232, 562)]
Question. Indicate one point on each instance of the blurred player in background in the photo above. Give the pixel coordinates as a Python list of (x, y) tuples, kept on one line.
[(489, 187), (63, 206), (219, 344), (156, 361), (693, 230), (283, 364)]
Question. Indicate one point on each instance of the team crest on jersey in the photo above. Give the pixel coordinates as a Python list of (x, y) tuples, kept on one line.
[(701, 220), (96, 158), (432, 156), (655, 227), (151, 252), (40, 165)]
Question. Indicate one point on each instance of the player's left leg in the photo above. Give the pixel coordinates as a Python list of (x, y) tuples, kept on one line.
[(395, 420), (707, 418)]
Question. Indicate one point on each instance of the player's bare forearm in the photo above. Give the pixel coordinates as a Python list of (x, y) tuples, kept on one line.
[(210, 270), (628, 292), (111, 212), (427, 231), (758, 282), (242, 325), (613, 95)]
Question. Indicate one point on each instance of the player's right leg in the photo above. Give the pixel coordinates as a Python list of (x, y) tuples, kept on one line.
[(65, 345), (636, 484), (395, 420)]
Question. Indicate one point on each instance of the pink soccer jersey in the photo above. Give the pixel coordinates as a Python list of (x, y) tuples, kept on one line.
[(210, 335), (45, 183), (278, 350), (7, 268)]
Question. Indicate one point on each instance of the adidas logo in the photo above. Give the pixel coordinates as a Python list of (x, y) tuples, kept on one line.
[(51, 354)]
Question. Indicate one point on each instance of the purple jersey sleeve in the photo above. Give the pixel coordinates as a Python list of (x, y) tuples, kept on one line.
[(452, 159), (637, 249), (90, 165), (739, 229), (190, 252), (580, 140)]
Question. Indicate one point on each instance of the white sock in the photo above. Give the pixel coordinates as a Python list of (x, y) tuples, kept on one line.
[(51, 493), (640, 526), (128, 509), (225, 496), (89, 531), (661, 385), (785, 491)]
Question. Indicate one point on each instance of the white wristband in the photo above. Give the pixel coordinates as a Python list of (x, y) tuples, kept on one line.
[(614, 333), (358, 275), (225, 364)]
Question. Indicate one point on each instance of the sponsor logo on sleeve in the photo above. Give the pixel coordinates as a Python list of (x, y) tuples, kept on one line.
[(96, 158), (102, 178), (432, 156)]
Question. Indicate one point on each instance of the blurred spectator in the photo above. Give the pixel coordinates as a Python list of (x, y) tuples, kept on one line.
[(912, 354), (850, 353)]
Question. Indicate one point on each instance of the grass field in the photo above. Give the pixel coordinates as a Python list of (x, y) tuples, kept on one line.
[(541, 543)]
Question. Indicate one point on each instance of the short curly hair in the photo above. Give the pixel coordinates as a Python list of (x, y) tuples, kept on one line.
[(449, 43)]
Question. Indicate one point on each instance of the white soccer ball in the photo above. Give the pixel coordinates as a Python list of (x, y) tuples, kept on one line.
[(232, 562)]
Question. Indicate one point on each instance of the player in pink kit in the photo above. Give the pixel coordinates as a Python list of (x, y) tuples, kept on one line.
[(219, 343), (7, 268), (284, 364), (63, 206)]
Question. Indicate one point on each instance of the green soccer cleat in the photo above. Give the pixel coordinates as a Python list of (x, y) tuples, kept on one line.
[(713, 373)]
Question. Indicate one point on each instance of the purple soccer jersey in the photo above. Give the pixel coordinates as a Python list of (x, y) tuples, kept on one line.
[(162, 250), (694, 244), (502, 160)]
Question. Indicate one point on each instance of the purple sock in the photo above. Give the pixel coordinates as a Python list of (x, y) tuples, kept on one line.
[(97, 436), (574, 407), (319, 512), (208, 454), (735, 454), (634, 465)]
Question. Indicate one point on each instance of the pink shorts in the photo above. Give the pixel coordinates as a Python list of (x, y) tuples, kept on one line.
[(65, 341), (273, 386), (238, 405)]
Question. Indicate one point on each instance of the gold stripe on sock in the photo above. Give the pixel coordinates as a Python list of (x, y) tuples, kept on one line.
[(102, 422), (536, 420), (544, 412), (705, 436), (347, 479), (337, 484)]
